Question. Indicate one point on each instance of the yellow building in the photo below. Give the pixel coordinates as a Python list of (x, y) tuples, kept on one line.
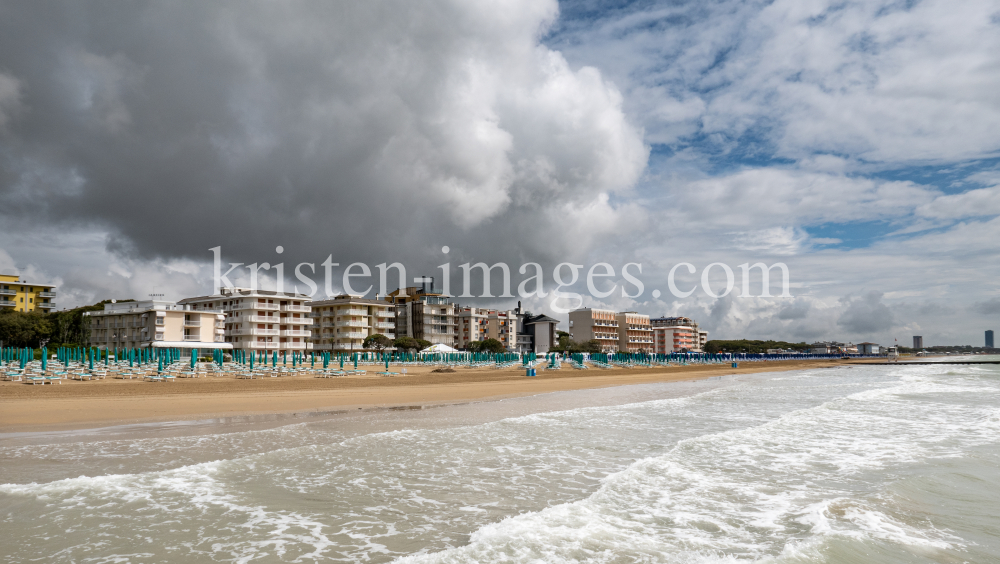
[(26, 296)]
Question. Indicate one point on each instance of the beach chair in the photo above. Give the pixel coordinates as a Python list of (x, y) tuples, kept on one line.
[(35, 380), (53, 379)]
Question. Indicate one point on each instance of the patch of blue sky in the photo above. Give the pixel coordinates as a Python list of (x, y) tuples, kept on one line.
[(852, 235), (951, 178)]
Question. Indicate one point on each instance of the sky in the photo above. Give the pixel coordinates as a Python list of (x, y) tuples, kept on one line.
[(857, 143)]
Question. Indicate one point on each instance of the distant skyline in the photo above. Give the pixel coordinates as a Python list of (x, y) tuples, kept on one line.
[(856, 142)]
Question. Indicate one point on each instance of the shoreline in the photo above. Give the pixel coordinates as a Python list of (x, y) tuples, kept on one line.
[(73, 406)]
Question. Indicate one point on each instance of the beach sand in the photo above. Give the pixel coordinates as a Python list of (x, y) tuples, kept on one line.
[(101, 403)]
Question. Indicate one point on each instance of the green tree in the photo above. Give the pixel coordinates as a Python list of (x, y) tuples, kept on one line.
[(405, 343), (492, 346), (423, 343), (749, 346), (19, 329), (378, 341)]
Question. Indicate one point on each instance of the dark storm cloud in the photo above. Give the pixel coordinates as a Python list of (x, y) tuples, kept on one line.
[(371, 131)]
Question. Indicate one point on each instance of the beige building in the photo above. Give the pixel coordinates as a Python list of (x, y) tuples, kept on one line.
[(595, 324), (634, 332), (424, 314), (677, 334), (344, 322), (156, 324), (261, 320), (479, 324), (21, 295)]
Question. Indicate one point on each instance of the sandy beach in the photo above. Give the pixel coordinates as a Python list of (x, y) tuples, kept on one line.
[(89, 404)]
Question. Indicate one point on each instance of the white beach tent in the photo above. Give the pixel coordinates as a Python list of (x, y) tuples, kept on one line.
[(439, 348)]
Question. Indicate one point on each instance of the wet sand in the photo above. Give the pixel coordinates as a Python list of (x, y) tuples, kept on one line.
[(100, 403)]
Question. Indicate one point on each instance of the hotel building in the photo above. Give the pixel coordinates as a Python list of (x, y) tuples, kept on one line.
[(156, 324), (261, 319), (600, 325), (23, 296), (424, 314), (535, 333), (479, 324), (634, 332), (677, 334), (344, 322)]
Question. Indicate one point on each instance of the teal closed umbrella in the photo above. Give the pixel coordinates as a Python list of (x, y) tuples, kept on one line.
[(194, 355)]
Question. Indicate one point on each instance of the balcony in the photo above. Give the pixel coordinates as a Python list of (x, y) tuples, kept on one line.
[(260, 319), (10, 303), (384, 325), (258, 345), (296, 346), (41, 294), (350, 335), (255, 331), (296, 320), (386, 313), (351, 324), (296, 308), (295, 333), (8, 292), (49, 305), (194, 338), (272, 307), (192, 323), (362, 312)]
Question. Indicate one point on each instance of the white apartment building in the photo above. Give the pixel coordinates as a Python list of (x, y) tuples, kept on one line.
[(344, 322), (261, 319), (634, 332), (157, 324), (479, 324), (588, 324)]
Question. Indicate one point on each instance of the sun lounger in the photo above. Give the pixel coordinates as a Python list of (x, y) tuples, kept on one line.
[(35, 380), (56, 379)]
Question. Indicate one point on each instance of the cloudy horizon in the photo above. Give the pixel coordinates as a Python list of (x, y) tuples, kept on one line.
[(856, 142)]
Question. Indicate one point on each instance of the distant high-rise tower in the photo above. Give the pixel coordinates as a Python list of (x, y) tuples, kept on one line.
[(918, 342), (989, 339)]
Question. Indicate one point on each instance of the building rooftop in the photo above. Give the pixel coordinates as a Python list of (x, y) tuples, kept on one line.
[(349, 298), (246, 292)]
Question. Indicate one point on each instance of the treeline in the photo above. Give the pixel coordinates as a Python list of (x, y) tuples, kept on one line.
[(55, 329), (748, 346), (565, 344)]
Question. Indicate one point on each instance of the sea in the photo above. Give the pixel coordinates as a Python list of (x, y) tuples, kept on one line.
[(847, 464)]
